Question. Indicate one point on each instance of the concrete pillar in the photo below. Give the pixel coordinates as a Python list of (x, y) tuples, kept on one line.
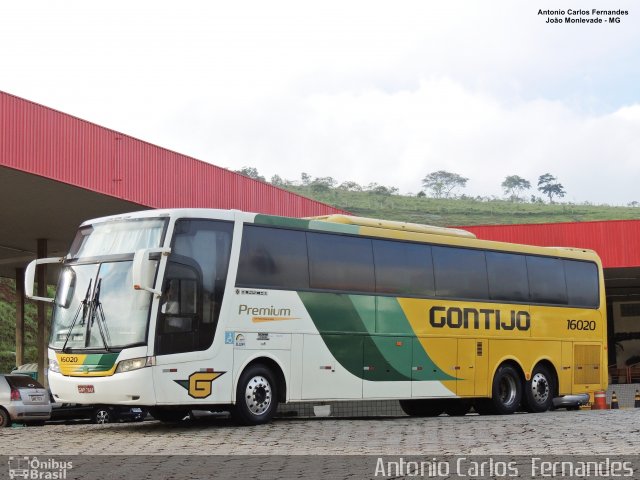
[(41, 276), (19, 316)]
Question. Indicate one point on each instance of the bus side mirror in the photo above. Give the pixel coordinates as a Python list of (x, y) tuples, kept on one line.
[(142, 272), (30, 275)]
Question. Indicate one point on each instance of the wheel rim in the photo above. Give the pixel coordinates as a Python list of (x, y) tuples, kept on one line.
[(258, 395), (540, 388), (508, 390), (102, 416)]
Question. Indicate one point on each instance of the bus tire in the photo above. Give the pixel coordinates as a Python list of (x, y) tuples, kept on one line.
[(256, 396), (506, 392), (422, 408), (538, 392), (457, 408)]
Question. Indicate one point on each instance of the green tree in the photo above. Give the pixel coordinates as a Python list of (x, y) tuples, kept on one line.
[(323, 184), (443, 183), (251, 172), (514, 185), (350, 186), (548, 184), (305, 178)]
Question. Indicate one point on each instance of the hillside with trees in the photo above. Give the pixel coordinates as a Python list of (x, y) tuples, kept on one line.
[(441, 202)]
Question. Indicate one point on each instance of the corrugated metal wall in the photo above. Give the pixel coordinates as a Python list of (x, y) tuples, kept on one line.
[(45, 142), (616, 241)]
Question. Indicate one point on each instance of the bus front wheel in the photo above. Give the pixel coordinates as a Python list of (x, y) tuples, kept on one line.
[(256, 396), (538, 392)]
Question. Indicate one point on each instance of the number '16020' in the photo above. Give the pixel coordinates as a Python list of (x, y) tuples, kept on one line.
[(581, 325)]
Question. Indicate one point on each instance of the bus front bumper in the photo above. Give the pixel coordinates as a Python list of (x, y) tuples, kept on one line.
[(128, 388)]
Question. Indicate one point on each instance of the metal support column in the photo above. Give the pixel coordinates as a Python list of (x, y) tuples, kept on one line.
[(19, 316), (41, 275)]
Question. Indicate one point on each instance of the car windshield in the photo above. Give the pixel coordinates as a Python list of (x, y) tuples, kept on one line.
[(96, 306)]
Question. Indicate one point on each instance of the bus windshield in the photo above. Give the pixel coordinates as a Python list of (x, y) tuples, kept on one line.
[(96, 306), (117, 237)]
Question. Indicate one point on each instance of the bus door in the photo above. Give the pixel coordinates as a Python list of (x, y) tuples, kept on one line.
[(471, 367), (192, 294)]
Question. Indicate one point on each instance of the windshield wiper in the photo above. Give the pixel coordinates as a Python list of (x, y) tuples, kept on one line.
[(98, 313), (84, 304)]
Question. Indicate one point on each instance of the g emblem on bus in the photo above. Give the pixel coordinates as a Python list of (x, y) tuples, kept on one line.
[(199, 383)]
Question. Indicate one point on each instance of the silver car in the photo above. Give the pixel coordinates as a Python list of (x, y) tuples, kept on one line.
[(23, 400)]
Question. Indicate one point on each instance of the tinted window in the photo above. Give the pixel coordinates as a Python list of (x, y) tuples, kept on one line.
[(194, 285), (507, 277), (460, 273), (546, 280), (403, 268), (272, 257), (582, 283), (338, 262)]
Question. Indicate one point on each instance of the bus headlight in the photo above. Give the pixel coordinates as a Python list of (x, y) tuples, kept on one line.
[(54, 366), (135, 364)]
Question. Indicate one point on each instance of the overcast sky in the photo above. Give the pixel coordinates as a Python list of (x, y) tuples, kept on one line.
[(367, 91)]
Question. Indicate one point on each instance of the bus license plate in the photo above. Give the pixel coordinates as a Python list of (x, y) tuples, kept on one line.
[(85, 389)]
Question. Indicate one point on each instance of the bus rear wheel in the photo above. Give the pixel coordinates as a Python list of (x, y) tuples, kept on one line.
[(422, 408), (539, 391), (506, 393), (256, 396)]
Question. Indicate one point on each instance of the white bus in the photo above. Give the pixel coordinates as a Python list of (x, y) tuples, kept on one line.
[(225, 310)]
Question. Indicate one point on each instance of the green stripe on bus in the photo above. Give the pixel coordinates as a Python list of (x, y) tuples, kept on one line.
[(103, 360), (392, 320), (281, 221), (347, 324)]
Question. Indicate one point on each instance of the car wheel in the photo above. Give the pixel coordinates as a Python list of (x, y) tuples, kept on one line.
[(538, 392), (422, 408), (5, 421), (256, 396), (102, 415)]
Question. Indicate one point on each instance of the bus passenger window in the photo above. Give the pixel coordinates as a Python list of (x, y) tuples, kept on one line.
[(546, 280), (582, 283), (460, 273), (507, 274), (403, 268), (340, 262), (273, 257)]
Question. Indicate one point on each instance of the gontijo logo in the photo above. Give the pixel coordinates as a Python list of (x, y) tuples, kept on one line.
[(478, 319), (199, 383)]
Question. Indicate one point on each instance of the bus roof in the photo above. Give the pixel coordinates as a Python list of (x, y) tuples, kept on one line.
[(392, 225)]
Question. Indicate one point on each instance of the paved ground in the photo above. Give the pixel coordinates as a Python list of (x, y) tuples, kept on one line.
[(583, 432)]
